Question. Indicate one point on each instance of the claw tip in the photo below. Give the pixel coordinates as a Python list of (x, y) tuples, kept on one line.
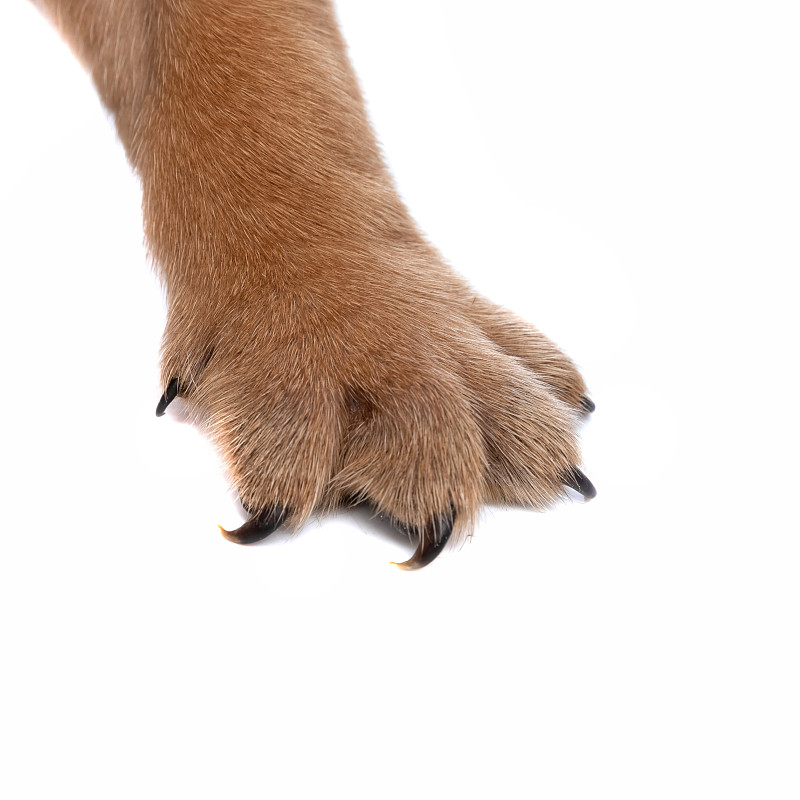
[(226, 534)]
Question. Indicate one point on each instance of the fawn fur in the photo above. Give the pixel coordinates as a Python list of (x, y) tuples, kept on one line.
[(328, 350)]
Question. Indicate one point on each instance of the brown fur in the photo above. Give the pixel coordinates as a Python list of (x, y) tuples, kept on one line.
[(326, 345)]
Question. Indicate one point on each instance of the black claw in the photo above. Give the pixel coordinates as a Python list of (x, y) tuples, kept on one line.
[(167, 397), (432, 540), (576, 480), (257, 527), (587, 404)]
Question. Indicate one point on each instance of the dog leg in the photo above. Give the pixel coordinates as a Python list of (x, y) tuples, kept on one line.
[(326, 346)]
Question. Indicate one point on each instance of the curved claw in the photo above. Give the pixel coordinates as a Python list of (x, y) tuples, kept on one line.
[(167, 397), (431, 541), (257, 527), (587, 404), (576, 480)]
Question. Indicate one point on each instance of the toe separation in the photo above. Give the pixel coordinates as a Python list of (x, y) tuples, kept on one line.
[(432, 539)]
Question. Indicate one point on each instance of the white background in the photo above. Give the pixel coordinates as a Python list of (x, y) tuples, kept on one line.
[(627, 176)]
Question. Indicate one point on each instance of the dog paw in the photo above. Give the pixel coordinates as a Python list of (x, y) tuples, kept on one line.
[(388, 392)]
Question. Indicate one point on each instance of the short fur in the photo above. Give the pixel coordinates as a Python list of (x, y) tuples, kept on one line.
[(330, 351)]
